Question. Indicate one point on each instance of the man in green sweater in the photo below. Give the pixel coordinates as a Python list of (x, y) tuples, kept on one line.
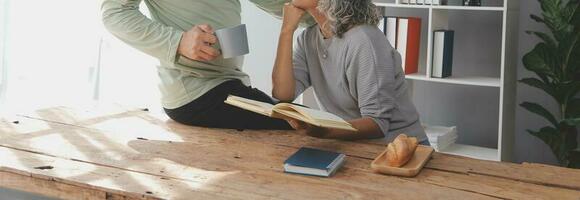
[(195, 79)]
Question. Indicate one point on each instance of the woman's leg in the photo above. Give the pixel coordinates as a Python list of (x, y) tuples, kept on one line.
[(210, 110)]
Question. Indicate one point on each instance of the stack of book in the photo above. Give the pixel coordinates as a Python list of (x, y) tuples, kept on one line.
[(404, 34), (441, 137), (424, 2)]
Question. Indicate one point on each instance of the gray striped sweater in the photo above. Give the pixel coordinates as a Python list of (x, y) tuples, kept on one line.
[(358, 75)]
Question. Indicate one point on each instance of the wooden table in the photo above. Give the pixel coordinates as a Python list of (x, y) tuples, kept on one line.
[(117, 153)]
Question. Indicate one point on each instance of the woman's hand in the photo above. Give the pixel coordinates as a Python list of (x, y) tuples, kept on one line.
[(308, 129), (292, 16)]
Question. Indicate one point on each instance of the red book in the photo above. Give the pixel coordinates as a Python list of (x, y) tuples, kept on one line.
[(409, 42)]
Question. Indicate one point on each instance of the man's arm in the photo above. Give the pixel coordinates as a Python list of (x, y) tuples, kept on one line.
[(274, 7), (124, 20)]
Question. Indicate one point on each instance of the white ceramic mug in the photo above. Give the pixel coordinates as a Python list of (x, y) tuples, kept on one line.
[(233, 41)]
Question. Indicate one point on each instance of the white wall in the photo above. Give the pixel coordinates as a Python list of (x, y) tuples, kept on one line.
[(263, 31)]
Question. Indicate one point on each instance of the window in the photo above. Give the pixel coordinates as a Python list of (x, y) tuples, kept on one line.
[(3, 25), (58, 53)]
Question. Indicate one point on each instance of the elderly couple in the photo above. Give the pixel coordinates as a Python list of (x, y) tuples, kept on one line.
[(356, 74)]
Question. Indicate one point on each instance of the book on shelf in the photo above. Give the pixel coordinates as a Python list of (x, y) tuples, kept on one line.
[(391, 30), (416, 2), (287, 110), (472, 3), (442, 53), (441, 137), (382, 24), (409, 42), (315, 162)]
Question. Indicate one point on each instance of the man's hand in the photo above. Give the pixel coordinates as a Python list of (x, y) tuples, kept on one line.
[(308, 129), (196, 44), (292, 16)]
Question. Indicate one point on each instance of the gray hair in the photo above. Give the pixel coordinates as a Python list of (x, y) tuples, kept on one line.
[(344, 14)]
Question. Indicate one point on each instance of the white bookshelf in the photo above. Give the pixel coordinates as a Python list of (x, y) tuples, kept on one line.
[(437, 17)]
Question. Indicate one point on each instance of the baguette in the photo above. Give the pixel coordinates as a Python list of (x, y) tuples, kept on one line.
[(401, 150)]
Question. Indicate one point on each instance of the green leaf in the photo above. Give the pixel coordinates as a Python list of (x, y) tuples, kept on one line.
[(544, 37), (555, 19), (541, 111), (567, 49), (567, 91), (572, 56), (537, 18), (574, 5), (572, 121), (551, 137), (549, 8), (537, 83), (570, 10), (539, 60)]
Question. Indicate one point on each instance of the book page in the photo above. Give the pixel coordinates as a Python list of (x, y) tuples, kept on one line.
[(314, 117), (251, 105), (318, 115)]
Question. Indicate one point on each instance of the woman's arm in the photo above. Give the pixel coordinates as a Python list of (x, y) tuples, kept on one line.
[(283, 74), (367, 129)]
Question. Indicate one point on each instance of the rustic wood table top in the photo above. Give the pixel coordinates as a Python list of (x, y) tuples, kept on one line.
[(119, 153)]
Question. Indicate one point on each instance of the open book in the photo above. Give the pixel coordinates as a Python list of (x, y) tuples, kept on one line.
[(281, 110)]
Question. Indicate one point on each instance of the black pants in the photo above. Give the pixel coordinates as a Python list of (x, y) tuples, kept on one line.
[(209, 110)]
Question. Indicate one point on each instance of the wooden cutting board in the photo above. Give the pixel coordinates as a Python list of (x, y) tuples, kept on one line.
[(412, 168)]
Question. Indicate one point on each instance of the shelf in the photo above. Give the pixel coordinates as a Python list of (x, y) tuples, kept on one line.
[(441, 7), (480, 8), (472, 152), (394, 5), (460, 80)]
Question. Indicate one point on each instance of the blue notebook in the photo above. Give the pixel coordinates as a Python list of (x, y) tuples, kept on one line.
[(314, 162)]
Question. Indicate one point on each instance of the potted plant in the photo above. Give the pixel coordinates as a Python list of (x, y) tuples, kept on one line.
[(556, 63)]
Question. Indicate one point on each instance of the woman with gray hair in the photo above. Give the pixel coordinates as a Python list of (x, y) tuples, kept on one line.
[(356, 74)]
